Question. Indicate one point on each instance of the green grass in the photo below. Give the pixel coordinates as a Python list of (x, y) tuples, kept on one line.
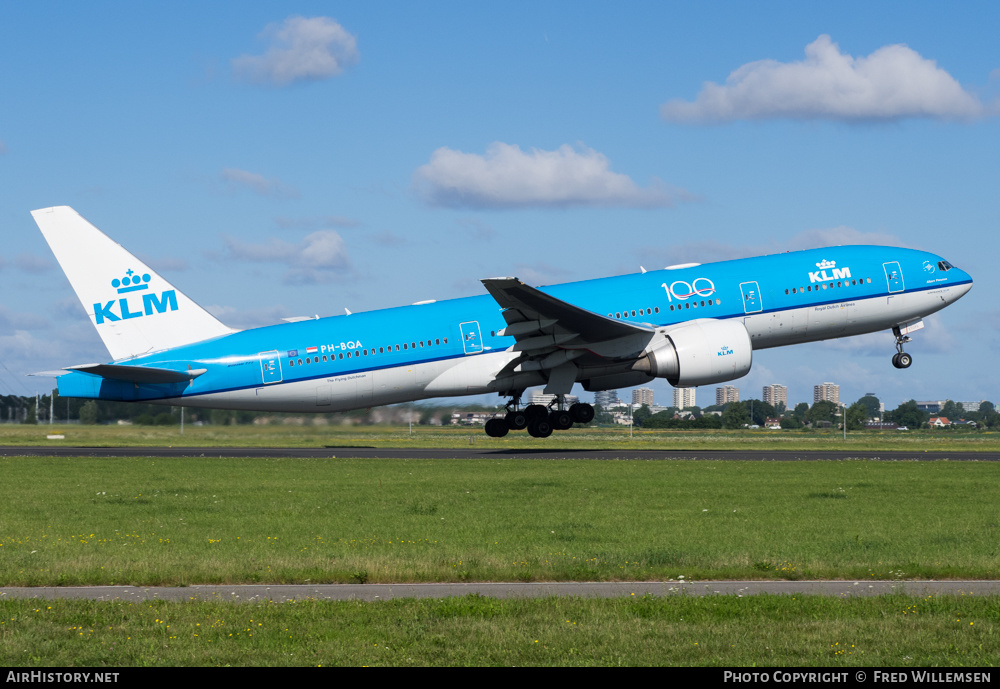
[(148, 521), (764, 630), (313, 432)]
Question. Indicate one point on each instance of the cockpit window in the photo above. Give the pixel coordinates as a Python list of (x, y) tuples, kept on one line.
[(944, 265)]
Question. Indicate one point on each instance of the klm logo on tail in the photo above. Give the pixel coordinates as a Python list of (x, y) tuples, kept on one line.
[(151, 302)]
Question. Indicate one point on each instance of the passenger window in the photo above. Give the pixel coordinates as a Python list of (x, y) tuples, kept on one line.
[(437, 341), (657, 309), (291, 362), (300, 362), (404, 345)]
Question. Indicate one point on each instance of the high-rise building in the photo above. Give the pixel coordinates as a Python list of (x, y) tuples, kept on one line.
[(643, 396), (727, 394), (605, 399), (684, 398), (826, 392), (775, 393)]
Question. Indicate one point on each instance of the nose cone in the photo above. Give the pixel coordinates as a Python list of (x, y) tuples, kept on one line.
[(959, 291)]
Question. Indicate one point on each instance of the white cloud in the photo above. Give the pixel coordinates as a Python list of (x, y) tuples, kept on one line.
[(894, 82), (301, 50), (507, 177), (320, 257), (257, 183)]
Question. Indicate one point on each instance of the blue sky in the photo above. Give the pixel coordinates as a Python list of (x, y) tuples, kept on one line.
[(289, 159)]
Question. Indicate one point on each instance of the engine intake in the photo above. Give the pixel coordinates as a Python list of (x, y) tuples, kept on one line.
[(699, 353)]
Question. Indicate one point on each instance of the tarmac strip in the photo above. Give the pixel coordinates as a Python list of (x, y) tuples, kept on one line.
[(376, 592)]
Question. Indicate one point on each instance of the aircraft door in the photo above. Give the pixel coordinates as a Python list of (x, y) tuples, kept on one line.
[(751, 297), (270, 367), (893, 276), (472, 341)]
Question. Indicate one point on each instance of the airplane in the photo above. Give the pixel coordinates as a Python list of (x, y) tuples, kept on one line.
[(691, 324)]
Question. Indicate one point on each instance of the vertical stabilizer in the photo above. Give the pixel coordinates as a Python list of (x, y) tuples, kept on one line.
[(134, 310)]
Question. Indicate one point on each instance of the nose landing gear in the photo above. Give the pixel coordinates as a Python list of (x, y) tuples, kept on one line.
[(901, 359)]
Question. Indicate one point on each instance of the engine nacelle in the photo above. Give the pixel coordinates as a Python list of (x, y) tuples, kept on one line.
[(699, 353)]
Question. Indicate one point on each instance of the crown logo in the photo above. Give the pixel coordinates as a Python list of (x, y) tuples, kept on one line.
[(823, 265), (131, 282)]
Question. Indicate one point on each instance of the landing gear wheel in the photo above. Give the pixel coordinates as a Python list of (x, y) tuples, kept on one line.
[(496, 428), (535, 411), (903, 360), (895, 359), (582, 413), (561, 419), (516, 420), (540, 428)]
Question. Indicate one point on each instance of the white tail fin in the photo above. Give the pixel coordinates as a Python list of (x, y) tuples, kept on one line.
[(134, 310)]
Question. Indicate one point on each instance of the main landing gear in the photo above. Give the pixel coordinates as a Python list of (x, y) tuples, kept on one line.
[(901, 359), (538, 419)]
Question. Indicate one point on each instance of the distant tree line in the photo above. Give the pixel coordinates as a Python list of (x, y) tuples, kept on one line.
[(753, 412)]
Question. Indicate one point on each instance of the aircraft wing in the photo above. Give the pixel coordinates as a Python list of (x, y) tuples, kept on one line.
[(524, 305), (552, 333)]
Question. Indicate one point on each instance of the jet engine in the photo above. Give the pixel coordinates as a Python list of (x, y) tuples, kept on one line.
[(699, 353)]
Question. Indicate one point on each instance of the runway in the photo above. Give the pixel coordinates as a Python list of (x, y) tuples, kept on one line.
[(378, 592), (473, 452)]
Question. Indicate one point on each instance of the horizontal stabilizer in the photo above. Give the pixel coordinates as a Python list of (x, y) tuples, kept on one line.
[(138, 374)]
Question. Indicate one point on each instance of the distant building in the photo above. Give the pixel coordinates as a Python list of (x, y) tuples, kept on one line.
[(931, 406), (468, 418), (774, 393), (643, 396), (827, 392), (541, 398), (970, 406), (684, 398), (727, 394), (606, 399), (939, 422)]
